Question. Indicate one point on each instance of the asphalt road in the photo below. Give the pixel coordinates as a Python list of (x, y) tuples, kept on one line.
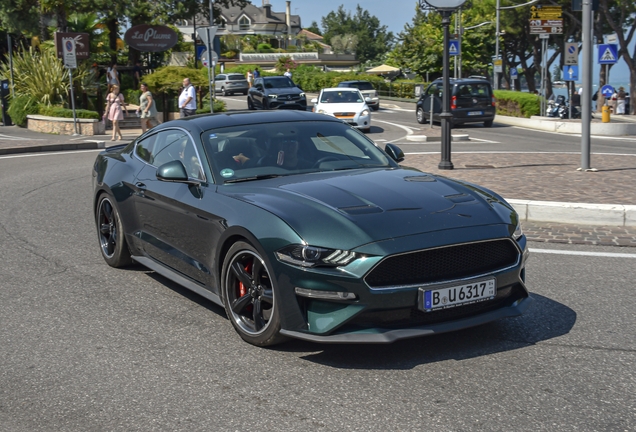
[(85, 347)]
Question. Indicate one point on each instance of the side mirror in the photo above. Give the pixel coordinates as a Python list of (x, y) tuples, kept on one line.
[(314, 100), (394, 152), (368, 99), (175, 172)]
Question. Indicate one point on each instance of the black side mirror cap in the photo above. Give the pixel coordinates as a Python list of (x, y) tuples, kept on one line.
[(394, 152), (174, 171)]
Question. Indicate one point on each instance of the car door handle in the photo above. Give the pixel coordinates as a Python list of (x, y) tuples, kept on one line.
[(141, 188)]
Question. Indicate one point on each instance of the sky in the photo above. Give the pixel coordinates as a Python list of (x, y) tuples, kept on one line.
[(401, 12)]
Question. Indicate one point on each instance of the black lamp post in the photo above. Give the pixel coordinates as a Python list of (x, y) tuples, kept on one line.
[(446, 9)]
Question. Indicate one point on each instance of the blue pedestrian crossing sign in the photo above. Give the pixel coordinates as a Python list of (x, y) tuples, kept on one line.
[(453, 47), (607, 53), (571, 73), (513, 73)]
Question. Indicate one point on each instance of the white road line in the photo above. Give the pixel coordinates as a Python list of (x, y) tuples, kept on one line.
[(49, 153), (578, 253), (13, 138), (485, 141)]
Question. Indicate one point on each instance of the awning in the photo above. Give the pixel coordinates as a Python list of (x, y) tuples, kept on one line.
[(383, 69)]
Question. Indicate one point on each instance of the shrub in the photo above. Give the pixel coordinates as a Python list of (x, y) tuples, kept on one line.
[(20, 107), (219, 106), (56, 111), (517, 104)]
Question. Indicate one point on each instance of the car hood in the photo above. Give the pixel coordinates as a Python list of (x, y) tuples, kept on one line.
[(340, 107), (356, 207)]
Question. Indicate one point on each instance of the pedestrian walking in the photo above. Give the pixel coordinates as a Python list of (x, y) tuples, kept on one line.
[(112, 76), (187, 99), (147, 109), (620, 100), (249, 76), (257, 73), (115, 107)]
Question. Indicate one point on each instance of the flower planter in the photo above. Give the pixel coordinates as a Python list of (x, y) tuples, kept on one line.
[(64, 126)]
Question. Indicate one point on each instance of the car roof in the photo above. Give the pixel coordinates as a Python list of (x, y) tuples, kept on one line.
[(340, 89), (463, 80)]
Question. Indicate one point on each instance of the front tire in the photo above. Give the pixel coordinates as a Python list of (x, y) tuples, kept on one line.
[(110, 233), (419, 115), (250, 104), (249, 296)]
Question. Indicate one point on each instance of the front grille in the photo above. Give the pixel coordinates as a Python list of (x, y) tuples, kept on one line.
[(442, 264), (344, 114), (409, 317), (288, 97)]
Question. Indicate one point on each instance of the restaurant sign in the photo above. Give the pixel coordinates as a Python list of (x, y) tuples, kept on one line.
[(153, 38)]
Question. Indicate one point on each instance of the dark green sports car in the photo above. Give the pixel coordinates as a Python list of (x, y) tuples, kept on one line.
[(301, 227)]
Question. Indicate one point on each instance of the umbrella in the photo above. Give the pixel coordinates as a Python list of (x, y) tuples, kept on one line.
[(383, 69)]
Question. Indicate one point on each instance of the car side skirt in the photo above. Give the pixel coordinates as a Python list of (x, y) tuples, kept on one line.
[(385, 336), (176, 277)]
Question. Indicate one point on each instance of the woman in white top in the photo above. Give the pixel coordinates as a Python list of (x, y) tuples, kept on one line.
[(250, 77), (112, 76)]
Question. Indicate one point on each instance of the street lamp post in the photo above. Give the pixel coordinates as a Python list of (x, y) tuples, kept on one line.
[(446, 9)]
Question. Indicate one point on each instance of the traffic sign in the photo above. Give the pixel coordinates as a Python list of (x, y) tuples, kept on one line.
[(607, 91), (70, 60), (571, 73), (498, 65), (607, 54), (546, 12), (202, 32), (513, 73), (453, 47), (571, 53), (204, 58), (540, 26)]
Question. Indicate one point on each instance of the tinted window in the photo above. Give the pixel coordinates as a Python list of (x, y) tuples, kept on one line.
[(278, 82), (473, 90), (219, 78), (340, 96), (145, 148), (235, 77), (362, 85), (175, 144)]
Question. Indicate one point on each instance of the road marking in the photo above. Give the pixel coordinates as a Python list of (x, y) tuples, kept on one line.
[(485, 141), (578, 253), (14, 138), (49, 153)]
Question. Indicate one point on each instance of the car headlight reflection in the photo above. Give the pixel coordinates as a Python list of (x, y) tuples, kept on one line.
[(312, 256), (302, 95), (518, 232), (273, 96), (364, 113)]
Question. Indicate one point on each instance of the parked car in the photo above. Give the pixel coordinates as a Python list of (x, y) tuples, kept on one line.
[(276, 92), (302, 227), (230, 83), (472, 101), (347, 104), (367, 90)]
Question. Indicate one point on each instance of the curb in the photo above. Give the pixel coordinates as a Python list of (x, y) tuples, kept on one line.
[(575, 213), (425, 138)]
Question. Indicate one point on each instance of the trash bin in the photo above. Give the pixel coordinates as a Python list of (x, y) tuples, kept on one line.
[(4, 99)]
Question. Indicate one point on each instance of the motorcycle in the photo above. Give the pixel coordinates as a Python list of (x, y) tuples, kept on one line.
[(555, 106), (564, 111)]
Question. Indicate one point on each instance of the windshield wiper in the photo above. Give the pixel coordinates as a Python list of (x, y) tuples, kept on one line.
[(256, 177)]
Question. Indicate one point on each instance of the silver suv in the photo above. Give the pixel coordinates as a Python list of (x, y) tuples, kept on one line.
[(230, 83)]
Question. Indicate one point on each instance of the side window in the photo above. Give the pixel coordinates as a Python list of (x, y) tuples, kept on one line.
[(176, 145), (145, 149), (219, 78)]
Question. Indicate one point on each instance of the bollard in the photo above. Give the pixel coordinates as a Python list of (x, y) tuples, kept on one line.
[(605, 116)]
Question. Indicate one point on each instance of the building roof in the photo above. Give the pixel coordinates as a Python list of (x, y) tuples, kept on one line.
[(258, 15)]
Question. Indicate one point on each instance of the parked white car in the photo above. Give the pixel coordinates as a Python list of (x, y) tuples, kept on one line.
[(347, 104)]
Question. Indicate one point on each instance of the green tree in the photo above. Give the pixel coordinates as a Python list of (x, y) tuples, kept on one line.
[(373, 39)]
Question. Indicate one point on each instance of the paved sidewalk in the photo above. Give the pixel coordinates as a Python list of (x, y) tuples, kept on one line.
[(516, 176)]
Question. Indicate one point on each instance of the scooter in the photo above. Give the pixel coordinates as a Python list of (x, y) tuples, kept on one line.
[(554, 106), (564, 112)]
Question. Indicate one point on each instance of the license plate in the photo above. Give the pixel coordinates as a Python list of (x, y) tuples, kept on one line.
[(458, 295), (289, 102), (475, 113)]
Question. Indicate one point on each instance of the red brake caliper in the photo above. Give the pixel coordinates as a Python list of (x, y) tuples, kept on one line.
[(242, 287)]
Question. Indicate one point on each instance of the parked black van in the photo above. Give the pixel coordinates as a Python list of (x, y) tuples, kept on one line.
[(472, 101)]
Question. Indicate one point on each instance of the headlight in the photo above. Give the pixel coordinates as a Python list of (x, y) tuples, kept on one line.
[(273, 96), (364, 113), (518, 232), (302, 95), (312, 256)]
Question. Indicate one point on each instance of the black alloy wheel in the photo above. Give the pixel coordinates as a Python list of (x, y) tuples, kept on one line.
[(110, 233), (249, 296), (250, 104)]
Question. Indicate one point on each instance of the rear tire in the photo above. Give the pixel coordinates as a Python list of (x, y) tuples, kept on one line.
[(488, 123), (249, 296), (419, 115), (110, 232), (223, 92), (250, 104)]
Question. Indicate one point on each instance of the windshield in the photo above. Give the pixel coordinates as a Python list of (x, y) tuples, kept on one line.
[(341, 96), (278, 82), (250, 152)]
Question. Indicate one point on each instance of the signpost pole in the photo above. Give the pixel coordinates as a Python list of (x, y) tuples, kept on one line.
[(210, 78), (586, 97)]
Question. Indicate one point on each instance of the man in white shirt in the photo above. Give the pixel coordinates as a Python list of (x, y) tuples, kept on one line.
[(187, 99), (288, 73)]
